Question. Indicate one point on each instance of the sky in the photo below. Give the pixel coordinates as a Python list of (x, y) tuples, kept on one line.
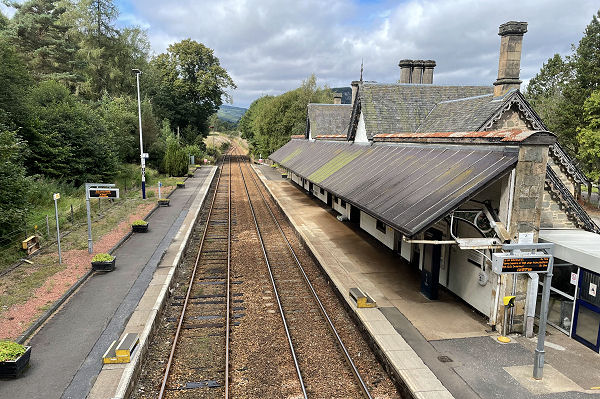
[(271, 46)]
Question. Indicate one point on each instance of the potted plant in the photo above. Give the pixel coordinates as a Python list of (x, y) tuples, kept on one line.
[(180, 184), (164, 202), (103, 262), (190, 174), (139, 226), (13, 358)]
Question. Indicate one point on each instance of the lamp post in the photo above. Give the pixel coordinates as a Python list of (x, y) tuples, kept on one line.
[(142, 157)]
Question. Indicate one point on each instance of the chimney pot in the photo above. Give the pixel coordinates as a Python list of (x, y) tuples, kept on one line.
[(417, 72), (337, 98), (428, 66), (509, 65), (405, 70)]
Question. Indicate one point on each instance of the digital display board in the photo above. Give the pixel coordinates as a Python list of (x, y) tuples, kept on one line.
[(503, 263), (104, 193)]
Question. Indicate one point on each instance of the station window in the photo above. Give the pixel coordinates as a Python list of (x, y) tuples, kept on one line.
[(380, 226), (342, 203), (321, 190)]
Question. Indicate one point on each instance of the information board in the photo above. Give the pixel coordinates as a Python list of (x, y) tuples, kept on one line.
[(104, 193), (503, 263)]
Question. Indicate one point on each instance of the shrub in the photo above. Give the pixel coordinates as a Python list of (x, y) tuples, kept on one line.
[(102, 257), (139, 222), (10, 350)]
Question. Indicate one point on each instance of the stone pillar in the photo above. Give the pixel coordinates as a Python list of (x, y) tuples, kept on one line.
[(509, 64), (337, 98), (405, 70), (428, 66), (530, 174), (354, 85), (417, 72)]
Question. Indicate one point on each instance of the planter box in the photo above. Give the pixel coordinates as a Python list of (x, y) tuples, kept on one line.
[(180, 185), (13, 368), (190, 175), (139, 228), (284, 175), (164, 202), (104, 266)]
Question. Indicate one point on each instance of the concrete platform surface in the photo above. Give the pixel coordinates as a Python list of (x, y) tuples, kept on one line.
[(450, 340), (67, 350)]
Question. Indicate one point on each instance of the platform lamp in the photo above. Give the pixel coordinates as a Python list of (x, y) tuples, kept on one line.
[(142, 155)]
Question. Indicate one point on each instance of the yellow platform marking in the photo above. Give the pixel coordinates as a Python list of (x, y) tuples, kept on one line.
[(504, 340)]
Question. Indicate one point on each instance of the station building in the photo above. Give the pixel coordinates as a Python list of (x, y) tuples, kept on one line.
[(444, 175)]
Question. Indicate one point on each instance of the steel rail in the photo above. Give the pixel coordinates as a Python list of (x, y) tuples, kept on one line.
[(322, 308), (285, 326), (227, 296), (189, 290)]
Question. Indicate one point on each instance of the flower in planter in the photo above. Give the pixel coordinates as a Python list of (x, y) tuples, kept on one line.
[(139, 222), (102, 257), (11, 350)]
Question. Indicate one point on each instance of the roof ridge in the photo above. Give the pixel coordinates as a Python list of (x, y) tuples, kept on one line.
[(466, 98)]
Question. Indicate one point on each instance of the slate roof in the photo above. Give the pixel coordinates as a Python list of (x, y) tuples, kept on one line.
[(414, 185), (515, 135), (329, 119), (392, 108), (461, 115)]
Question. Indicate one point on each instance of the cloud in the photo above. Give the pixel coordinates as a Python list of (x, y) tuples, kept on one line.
[(270, 46)]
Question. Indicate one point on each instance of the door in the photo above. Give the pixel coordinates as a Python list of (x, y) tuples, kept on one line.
[(329, 199), (586, 327), (430, 275), (354, 214)]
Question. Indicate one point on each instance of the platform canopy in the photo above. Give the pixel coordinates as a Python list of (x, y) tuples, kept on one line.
[(407, 186), (575, 246)]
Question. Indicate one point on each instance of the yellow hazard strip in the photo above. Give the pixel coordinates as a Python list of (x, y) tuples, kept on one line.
[(595, 388)]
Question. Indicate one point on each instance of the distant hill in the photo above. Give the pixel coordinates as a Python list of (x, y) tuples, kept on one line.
[(230, 113), (346, 94)]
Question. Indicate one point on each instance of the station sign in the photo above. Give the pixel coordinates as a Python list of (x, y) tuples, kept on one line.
[(103, 192), (506, 263)]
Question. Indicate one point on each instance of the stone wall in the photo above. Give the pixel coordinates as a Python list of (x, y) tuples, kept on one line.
[(553, 217), (511, 119)]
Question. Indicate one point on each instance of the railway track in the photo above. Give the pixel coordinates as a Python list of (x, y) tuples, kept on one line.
[(297, 301), (250, 321)]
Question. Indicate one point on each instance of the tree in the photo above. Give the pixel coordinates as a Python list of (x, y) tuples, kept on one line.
[(558, 92), (67, 138), (14, 84), (189, 85), (40, 37), (589, 136), (13, 204), (274, 120), (3, 21), (176, 158)]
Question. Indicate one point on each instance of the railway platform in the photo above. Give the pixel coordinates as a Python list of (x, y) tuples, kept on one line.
[(439, 349), (67, 350)]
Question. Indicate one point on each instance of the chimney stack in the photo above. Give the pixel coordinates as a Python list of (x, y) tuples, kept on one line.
[(354, 85), (509, 66), (428, 66), (416, 71), (405, 70), (337, 98)]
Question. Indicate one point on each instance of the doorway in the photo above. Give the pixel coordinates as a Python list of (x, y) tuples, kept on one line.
[(430, 274), (586, 323)]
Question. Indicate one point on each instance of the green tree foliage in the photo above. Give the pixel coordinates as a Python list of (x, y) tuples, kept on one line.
[(14, 184), (40, 37), (67, 138), (270, 121), (189, 85), (559, 90), (176, 158), (3, 22), (589, 136), (14, 84)]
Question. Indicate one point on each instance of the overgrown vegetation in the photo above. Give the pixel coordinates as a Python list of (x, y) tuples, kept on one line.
[(68, 102), (270, 121), (566, 95)]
